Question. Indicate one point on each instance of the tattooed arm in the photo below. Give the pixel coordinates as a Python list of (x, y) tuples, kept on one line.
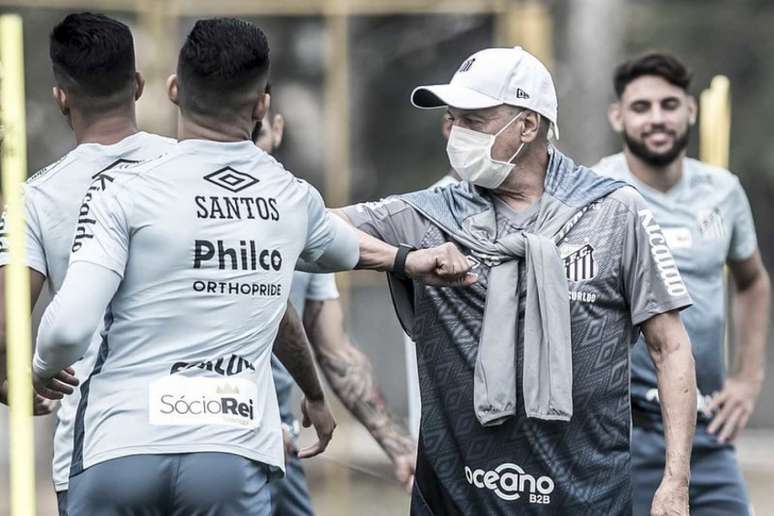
[(292, 349), (350, 375)]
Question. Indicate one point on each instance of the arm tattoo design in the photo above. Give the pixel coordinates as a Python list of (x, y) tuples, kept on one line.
[(350, 375), (294, 351)]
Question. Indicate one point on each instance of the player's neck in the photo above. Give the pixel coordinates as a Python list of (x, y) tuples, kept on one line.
[(105, 128), (526, 183), (200, 128), (659, 178)]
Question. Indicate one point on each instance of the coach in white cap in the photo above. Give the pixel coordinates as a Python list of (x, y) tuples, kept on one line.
[(525, 375)]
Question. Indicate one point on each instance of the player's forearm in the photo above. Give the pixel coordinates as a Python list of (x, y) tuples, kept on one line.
[(350, 375), (351, 378), (292, 349), (36, 286), (670, 349), (72, 317), (751, 326), (374, 254), (350, 249)]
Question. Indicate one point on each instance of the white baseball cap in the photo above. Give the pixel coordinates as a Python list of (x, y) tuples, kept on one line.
[(492, 77)]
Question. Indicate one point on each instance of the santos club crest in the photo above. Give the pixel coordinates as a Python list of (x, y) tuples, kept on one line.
[(579, 263)]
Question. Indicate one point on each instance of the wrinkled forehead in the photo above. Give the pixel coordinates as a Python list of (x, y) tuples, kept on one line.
[(651, 88)]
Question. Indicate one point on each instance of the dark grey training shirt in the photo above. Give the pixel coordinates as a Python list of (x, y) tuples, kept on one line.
[(620, 274)]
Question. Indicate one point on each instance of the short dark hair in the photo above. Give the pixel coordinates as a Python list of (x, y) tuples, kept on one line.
[(660, 64), (93, 57), (221, 60)]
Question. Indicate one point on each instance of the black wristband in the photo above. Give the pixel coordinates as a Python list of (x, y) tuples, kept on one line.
[(399, 267)]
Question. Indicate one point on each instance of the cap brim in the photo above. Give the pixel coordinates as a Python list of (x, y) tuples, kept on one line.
[(442, 95)]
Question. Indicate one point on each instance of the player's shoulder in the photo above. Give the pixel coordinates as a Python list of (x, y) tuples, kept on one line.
[(52, 170), (613, 166), (162, 142), (719, 179), (626, 198)]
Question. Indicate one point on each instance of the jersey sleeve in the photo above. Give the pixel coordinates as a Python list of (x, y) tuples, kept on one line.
[(391, 220), (320, 231), (652, 283), (35, 253), (743, 239), (322, 287), (103, 233)]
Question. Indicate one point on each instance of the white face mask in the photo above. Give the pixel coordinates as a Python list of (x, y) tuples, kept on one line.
[(470, 154)]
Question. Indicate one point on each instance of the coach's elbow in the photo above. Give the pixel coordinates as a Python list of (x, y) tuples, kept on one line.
[(666, 338)]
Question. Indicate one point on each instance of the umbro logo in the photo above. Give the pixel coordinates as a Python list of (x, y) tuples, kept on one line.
[(521, 94), (467, 64), (231, 179)]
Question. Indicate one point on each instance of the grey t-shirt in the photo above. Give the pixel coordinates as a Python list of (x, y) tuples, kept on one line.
[(620, 274), (706, 221)]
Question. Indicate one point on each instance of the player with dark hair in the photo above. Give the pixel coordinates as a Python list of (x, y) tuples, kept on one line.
[(96, 85), (708, 225), (188, 261)]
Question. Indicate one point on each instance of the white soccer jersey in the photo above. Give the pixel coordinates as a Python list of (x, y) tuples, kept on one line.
[(206, 239), (52, 201)]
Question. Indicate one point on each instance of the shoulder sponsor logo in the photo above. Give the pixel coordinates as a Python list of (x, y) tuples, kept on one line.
[(662, 256), (579, 263), (100, 182), (179, 400), (711, 225), (119, 164), (231, 179), (510, 482)]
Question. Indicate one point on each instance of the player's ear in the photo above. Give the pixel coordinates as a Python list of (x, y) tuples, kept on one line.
[(61, 99), (173, 89), (261, 106), (615, 116), (278, 129), (692, 109), (139, 85)]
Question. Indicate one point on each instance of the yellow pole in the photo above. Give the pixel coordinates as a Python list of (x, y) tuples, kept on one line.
[(715, 122), (337, 185), (527, 24), (714, 149), (17, 291)]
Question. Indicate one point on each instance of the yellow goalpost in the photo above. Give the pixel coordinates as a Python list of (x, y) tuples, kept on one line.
[(17, 288)]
